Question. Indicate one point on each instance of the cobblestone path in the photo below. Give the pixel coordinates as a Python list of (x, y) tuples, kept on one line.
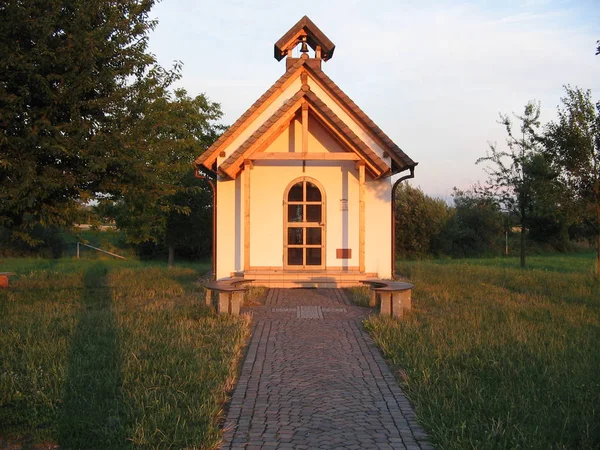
[(313, 379)]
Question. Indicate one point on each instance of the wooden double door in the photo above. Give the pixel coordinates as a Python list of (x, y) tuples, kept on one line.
[(304, 225)]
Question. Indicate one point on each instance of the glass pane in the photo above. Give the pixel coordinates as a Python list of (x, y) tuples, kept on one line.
[(295, 256), (313, 236), (294, 213), (295, 194), (313, 213), (295, 236), (313, 256), (313, 194)]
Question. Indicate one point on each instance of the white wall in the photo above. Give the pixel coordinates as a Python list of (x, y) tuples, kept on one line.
[(378, 227), (268, 182)]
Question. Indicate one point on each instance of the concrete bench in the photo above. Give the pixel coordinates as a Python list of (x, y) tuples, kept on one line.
[(4, 278), (395, 296), (231, 294)]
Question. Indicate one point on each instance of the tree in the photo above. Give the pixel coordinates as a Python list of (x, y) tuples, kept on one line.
[(509, 170), (573, 144), (69, 74), (477, 224), (420, 221), (172, 130), (551, 212), (190, 235)]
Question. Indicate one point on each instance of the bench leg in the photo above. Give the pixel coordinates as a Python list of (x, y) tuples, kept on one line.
[(224, 302), (3, 281), (208, 299), (237, 298), (373, 299), (386, 303), (401, 302)]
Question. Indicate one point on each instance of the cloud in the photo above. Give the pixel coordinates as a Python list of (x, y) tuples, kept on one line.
[(432, 75)]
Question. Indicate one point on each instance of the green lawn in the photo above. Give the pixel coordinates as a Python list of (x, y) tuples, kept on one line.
[(113, 354), (497, 357)]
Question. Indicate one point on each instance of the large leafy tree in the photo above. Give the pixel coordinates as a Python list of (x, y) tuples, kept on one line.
[(477, 224), (162, 203), (69, 74), (510, 169), (573, 144)]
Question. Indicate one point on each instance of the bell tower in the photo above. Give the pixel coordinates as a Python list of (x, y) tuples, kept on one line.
[(304, 34)]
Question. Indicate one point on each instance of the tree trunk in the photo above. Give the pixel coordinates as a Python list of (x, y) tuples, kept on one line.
[(171, 259), (522, 244)]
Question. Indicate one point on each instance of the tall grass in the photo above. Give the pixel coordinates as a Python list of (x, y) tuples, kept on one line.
[(497, 357), (113, 355)]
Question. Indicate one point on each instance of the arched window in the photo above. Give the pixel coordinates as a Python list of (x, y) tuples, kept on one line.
[(304, 225)]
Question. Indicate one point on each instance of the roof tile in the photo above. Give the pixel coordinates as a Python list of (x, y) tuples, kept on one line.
[(238, 153), (344, 129), (214, 148), (397, 154), (392, 147)]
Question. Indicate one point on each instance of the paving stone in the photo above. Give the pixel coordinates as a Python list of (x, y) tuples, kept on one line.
[(312, 378)]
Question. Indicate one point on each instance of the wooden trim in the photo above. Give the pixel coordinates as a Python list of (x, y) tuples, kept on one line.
[(304, 224), (304, 127), (265, 140), (345, 142), (286, 156), (246, 219), (330, 269), (304, 77), (361, 218), (257, 112), (353, 115), (293, 40)]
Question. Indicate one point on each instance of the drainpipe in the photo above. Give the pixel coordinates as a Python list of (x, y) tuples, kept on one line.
[(396, 183), (211, 182)]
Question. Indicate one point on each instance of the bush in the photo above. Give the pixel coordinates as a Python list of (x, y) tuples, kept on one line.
[(49, 243)]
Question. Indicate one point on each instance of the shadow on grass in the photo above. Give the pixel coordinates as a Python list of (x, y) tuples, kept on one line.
[(92, 415)]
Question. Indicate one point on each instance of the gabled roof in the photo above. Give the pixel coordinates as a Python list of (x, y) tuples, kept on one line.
[(264, 128), (395, 152), (400, 160), (232, 165), (334, 121), (210, 155), (314, 37)]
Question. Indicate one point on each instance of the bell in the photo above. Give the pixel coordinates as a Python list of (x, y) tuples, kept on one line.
[(304, 48)]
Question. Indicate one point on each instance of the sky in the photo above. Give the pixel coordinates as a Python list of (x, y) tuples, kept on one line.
[(434, 75)]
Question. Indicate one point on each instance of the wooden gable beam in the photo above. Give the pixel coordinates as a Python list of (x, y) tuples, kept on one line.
[(361, 217), (304, 126), (262, 142), (327, 156), (346, 143), (211, 159), (351, 113)]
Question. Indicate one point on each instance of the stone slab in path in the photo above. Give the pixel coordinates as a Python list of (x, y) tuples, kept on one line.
[(313, 379)]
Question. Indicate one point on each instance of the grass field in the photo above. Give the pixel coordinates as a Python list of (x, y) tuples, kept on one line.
[(494, 357), (110, 355)]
